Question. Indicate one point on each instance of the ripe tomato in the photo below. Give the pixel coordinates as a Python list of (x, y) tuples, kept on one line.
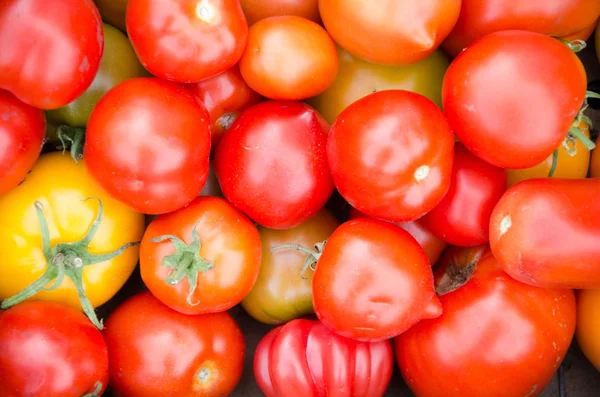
[(546, 232), (225, 96), (390, 155), (289, 58), (51, 350), (390, 32), (304, 358), (558, 18), (508, 127), (22, 130), (187, 41), (595, 162), (255, 10), (588, 324), (272, 163), (148, 144), (211, 245), (155, 351), (282, 293), (491, 330), (463, 216), (113, 12), (50, 50)]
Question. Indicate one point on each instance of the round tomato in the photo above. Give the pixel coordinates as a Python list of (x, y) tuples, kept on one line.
[(390, 155), (304, 358), (113, 12), (255, 10), (148, 144), (50, 50), (512, 96), (60, 222), (595, 161), (588, 324), (272, 163), (283, 291), (289, 58), (390, 32), (51, 350), (187, 41), (155, 351), (492, 329)]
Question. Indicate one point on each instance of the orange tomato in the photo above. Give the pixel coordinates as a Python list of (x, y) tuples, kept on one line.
[(595, 163), (255, 10), (588, 324)]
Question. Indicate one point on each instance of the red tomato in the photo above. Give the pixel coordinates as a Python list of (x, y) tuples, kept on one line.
[(155, 351), (187, 40), (255, 10), (304, 358), (546, 232), (289, 58), (373, 281), (51, 50), (51, 350), (557, 18), (390, 32), (512, 96), (390, 155), (148, 144), (272, 164), (22, 131), (463, 216), (497, 337)]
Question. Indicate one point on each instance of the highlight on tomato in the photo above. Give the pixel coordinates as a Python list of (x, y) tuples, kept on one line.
[(588, 324), (256, 10)]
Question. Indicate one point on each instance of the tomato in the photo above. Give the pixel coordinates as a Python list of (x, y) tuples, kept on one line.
[(187, 41), (211, 245), (597, 40), (392, 32), (558, 18), (496, 337), (512, 96), (595, 162), (462, 218), (155, 351), (51, 350), (318, 362), (272, 164), (255, 10), (283, 291), (546, 232), (357, 78), (50, 50), (59, 222), (148, 144), (225, 97), (390, 155), (289, 58), (113, 12), (22, 131), (588, 324)]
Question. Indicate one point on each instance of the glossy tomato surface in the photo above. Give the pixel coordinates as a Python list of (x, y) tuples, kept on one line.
[(588, 324), (255, 10)]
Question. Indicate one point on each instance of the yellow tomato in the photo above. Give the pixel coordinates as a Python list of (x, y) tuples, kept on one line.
[(357, 78), (588, 324), (595, 163)]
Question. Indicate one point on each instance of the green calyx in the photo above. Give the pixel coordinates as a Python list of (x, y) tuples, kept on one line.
[(575, 45), (67, 259), (312, 256), (554, 163), (186, 262), (575, 133), (72, 138), (96, 392)]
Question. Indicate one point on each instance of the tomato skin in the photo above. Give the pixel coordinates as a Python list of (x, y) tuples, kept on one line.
[(187, 41), (551, 233), (113, 12), (51, 350), (48, 70), (588, 324), (269, 143), (491, 329), (148, 144), (304, 358), (256, 10), (595, 161), (388, 178), (504, 129), (155, 351)]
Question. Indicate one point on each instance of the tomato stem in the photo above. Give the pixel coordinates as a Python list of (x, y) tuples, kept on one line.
[(96, 392), (580, 136), (312, 255), (575, 45), (554, 163), (76, 137), (226, 120)]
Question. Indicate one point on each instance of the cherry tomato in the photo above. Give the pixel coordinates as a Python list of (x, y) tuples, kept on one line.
[(51, 350), (113, 12), (289, 58), (390, 155), (304, 358), (496, 337), (546, 232), (272, 163), (595, 162), (463, 216), (512, 96), (50, 50), (389, 32), (148, 144), (588, 324), (155, 351), (255, 10), (187, 41)]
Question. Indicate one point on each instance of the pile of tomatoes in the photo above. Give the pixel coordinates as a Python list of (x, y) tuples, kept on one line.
[(379, 180)]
